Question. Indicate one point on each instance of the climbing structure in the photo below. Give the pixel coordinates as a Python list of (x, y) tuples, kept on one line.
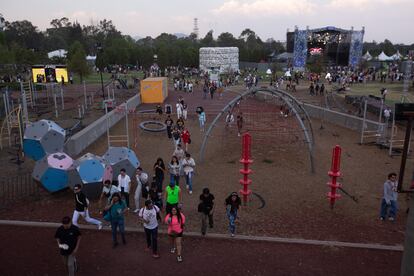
[(246, 161)]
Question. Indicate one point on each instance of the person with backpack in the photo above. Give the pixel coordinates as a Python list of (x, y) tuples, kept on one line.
[(149, 216), (115, 215), (175, 221), (81, 208), (206, 209)]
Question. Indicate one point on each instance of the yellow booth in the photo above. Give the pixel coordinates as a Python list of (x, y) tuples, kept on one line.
[(49, 73), (154, 90)]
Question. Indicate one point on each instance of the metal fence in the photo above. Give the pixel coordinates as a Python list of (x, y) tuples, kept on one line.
[(18, 187)]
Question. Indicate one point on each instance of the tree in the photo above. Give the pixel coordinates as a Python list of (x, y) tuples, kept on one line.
[(208, 40), (227, 40), (77, 60)]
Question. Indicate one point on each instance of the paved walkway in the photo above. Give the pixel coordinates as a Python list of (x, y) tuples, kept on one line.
[(224, 236)]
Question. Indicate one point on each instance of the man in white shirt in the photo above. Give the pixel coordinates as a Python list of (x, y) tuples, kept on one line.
[(124, 184), (188, 166), (148, 215), (108, 191), (142, 181), (179, 108)]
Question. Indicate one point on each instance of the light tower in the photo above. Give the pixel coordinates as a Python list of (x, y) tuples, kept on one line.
[(195, 30)]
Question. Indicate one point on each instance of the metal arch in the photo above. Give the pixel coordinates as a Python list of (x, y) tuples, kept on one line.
[(284, 96)]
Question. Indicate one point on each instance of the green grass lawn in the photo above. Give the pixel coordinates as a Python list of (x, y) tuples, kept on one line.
[(95, 78), (395, 91)]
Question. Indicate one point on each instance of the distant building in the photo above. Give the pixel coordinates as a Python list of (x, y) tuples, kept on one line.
[(221, 59)]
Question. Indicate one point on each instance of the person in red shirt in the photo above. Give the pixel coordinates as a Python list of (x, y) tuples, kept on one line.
[(185, 138), (175, 220)]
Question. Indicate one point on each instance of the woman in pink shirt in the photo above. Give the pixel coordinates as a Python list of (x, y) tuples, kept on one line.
[(175, 220)]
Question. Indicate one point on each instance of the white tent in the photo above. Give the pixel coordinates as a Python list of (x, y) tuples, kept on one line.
[(57, 53), (288, 74), (384, 57), (367, 56), (91, 58), (397, 56), (269, 72)]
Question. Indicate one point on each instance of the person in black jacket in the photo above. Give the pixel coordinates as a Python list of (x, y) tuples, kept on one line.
[(206, 208), (68, 239), (81, 208)]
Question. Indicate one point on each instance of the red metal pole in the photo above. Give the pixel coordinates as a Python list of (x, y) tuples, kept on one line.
[(246, 161), (334, 173)]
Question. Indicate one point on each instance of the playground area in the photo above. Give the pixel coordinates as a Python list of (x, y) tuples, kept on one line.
[(289, 200)]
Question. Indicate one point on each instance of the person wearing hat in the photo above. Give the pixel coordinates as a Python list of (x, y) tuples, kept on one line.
[(233, 205), (206, 209), (172, 196), (149, 216)]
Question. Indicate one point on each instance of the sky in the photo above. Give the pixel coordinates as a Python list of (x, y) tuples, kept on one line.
[(382, 19)]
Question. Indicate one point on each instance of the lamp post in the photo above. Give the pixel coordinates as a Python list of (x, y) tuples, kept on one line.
[(99, 50)]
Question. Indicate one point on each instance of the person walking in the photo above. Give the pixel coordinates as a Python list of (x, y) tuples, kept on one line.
[(202, 120), (175, 221), (179, 109), (149, 215), (169, 123), (159, 169), (81, 208), (176, 135), (115, 214), (172, 196), (239, 123), (389, 201), (233, 206), (142, 182), (206, 210), (68, 238), (185, 110), (124, 183), (185, 138), (188, 165), (180, 154), (174, 169)]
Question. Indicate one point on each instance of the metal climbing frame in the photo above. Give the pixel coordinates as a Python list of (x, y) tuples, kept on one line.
[(13, 120), (294, 105), (124, 138)]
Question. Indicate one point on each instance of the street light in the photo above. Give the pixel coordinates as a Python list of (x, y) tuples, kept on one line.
[(99, 50)]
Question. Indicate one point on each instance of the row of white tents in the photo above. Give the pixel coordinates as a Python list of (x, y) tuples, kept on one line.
[(383, 57)]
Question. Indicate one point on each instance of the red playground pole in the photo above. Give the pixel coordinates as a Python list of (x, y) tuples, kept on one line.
[(334, 173), (246, 161)]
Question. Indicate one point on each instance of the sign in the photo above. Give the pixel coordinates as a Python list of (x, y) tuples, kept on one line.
[(403, 111)]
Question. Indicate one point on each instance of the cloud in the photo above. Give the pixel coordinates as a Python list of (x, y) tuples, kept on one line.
[(363, 4), (83, 16), (260, 8)]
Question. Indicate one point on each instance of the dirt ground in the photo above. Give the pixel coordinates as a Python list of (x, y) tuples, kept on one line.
[(296, 204), (295, 199), (200, 257)]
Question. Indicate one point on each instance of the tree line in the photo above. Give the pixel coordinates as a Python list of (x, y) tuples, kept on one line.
[(23, 43)]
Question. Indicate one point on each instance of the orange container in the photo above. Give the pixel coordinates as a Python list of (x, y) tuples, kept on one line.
[(154, 90)]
